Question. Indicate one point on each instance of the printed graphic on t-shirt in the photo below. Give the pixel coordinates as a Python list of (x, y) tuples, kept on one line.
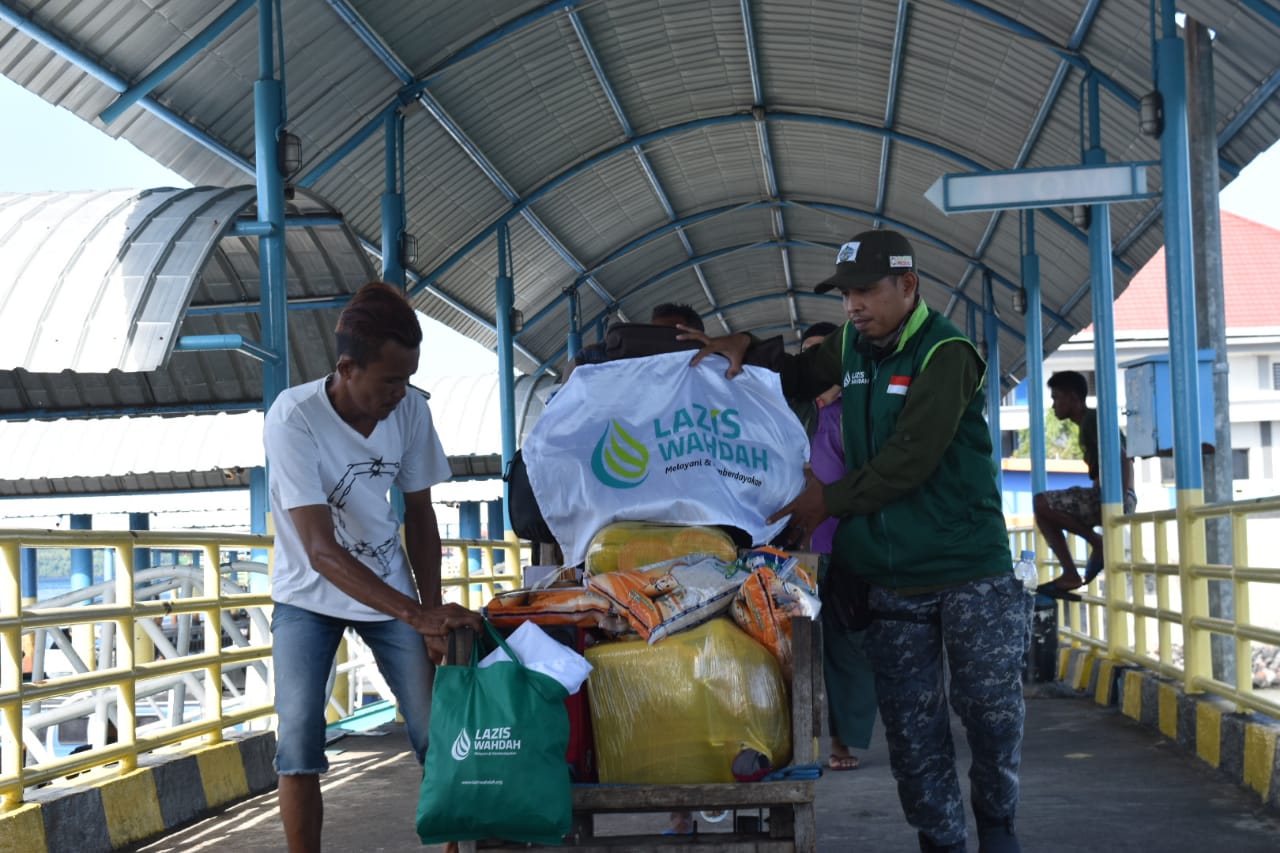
[(381, 552)]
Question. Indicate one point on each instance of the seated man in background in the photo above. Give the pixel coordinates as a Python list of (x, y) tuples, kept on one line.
[(1078, 509)]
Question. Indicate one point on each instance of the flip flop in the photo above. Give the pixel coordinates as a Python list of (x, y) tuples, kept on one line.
[(1094, 567), (843, 762), (1052, 590)]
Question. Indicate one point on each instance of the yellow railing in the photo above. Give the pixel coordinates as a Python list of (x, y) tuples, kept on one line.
[(118, 656), (1151, 605)]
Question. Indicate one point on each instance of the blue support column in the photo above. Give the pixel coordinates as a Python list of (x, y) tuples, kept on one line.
[(497, 525), (259, 502), (1034, 353), (1104, 335), (81, 558), (141, 556), (30, 578), (991, 332), (574, 342), (1179, 258), (393, 217), (504, 306), (268, 123), (469, 528)]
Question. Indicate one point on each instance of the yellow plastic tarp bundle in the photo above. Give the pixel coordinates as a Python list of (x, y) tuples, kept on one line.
[(681, 710), (630, 545)]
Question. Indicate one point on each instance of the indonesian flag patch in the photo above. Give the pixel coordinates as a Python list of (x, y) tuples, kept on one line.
[(899, 384)]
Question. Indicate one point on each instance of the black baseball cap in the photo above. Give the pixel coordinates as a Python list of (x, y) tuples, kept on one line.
[(869, 257)]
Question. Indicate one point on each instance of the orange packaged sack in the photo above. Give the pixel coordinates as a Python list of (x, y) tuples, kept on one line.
[(565, 605), (776, 592), (672, 595)]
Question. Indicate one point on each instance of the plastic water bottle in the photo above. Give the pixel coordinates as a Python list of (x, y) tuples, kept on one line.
[(1025, 571)]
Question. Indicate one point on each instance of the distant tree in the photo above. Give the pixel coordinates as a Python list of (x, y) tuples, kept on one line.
[(1061, 440)]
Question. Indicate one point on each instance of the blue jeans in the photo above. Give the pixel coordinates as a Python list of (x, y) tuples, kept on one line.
[(302, 651)]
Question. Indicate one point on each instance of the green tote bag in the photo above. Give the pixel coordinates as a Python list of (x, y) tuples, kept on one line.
[(496, 766)]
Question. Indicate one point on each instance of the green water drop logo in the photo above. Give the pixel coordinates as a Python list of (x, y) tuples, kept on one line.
[(619, 461)]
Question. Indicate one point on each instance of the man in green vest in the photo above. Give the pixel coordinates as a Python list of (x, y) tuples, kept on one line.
[(921, 524)]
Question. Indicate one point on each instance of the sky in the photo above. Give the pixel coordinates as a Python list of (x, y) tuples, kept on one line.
[(58, 151)]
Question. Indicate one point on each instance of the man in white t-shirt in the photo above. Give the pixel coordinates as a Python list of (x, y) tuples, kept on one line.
[(334, 448)]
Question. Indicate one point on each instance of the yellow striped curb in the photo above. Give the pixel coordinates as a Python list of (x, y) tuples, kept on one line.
[(132, 807), (119, 812), (222, 772), (1242, 746), (22, 830)]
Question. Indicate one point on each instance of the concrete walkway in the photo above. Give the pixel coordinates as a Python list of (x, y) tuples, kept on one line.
[(1092, 780)]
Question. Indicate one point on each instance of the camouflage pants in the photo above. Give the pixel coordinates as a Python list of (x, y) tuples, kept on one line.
[(981, 628)]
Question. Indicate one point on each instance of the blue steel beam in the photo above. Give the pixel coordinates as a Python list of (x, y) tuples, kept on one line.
[(1078, 34), (504, 301), (766, 152), (1179, 266), (235, 343), (1071, 55), (588, 163), (306, 303), (447, 299), (545, 365), (48, 40), (763, 244), (616, 104), (393, 214), (823, 207), (991, 337), (1083, 290), (257, 228), (1250, 108), (387, 56), (1034, 352), (268, 121), (179, 58), (891, 101), (1068, 54), (1264, 10), (354, 141)]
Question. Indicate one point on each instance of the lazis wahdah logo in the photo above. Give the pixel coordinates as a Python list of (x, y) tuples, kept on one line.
[(492, 741), (619, 461)]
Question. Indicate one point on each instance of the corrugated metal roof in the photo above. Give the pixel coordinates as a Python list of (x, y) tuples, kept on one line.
[(602, 131), (150, 454), (94, 282), (96, 288)]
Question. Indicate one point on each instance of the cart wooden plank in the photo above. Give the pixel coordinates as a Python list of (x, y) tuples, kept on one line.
[(791, 825)]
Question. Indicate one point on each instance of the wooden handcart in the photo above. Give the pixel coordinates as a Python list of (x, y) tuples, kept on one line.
[(768, 817)]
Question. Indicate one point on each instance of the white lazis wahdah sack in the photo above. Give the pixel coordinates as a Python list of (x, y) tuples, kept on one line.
[(652, 439)]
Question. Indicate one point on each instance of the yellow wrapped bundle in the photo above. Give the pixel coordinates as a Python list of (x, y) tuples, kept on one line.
[(630, 545), (681, 710)]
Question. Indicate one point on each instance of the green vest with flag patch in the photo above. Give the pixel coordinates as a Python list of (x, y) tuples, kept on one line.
[(949, 530)]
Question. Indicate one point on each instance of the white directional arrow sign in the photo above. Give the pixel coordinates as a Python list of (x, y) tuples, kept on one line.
[(1058, 187)]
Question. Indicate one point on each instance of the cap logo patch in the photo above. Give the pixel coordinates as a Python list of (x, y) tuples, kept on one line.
[(899, 261), (848, 253)]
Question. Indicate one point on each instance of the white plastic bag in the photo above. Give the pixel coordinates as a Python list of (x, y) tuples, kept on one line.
[(537, 651), (652, 439)]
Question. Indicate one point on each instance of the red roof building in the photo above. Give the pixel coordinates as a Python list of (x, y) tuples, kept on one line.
[(1251, 283)]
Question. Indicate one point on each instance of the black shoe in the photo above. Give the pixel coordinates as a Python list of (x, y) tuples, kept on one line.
[(997, 837), (927, 845)]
